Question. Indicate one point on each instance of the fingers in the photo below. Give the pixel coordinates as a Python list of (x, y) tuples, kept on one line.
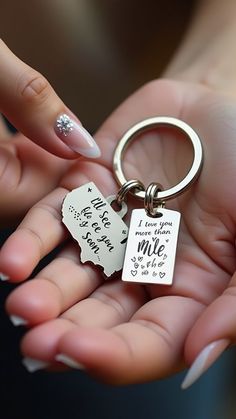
[(65, 282), (32, 106), (213, 332), (39, 233), (21, 163), (42, 229), (110, 304), (148, 347), (56, 288)]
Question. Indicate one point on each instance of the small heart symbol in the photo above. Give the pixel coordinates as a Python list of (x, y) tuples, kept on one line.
[(161, 274), (136, 265), (160, 264), (154, 274), (167, 240), (164, 257), (154, 239), (140, 258), (142, 266), (134, 272), (133, 259)]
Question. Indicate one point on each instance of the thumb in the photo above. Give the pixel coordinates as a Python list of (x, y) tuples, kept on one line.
[(32, 106), (212, 333)]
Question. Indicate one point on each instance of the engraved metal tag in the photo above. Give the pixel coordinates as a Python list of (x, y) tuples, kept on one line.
[(99, 230), (151, 247)]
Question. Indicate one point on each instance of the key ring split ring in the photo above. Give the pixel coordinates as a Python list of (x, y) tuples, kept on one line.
[(150, 123), (127, 187), (152, 193)]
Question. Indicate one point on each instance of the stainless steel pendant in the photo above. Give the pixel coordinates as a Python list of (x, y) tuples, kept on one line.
[(151, 247), (99, 230)]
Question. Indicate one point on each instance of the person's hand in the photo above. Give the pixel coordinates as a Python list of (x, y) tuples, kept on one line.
[(27, 172), (127, 333)]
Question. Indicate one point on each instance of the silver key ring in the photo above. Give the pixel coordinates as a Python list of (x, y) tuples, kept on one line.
[(146, 125)]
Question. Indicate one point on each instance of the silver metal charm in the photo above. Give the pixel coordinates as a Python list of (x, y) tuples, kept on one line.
[(151, 247), (147, 125), (99, 230)]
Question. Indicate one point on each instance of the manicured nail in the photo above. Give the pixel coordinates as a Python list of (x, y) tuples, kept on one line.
[(70, 362), (32, 364), (17, 320), (204, 360), (76, 137), (4, 277)]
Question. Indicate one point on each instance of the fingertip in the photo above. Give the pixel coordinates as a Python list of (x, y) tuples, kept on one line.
[(36, 301), (18, 258), (41, 341)]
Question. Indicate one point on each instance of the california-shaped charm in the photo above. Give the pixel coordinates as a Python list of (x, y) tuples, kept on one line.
[(151, 247), (99, 230)]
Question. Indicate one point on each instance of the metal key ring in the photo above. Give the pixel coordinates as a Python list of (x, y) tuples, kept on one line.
[(146, 125), (152, 191)]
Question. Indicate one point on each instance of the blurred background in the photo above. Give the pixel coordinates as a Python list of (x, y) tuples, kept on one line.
[(95, 53)]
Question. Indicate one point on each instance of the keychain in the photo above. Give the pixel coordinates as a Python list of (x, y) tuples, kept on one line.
[(148, 256)]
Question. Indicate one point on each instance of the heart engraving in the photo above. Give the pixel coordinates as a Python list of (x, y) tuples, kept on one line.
[(161, 274), (142, 266), (165, 256), (140, 258), (160, 264), (133, 259), (134, 272), (136, 265)]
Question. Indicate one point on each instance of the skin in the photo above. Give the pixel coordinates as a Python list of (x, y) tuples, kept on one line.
[(120, 332), (32, 106), (126, 333), (20, 172)]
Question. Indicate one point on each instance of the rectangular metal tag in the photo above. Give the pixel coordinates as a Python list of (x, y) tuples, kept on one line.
[(151, 247)]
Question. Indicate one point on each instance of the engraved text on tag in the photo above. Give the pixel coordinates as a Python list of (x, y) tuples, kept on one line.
[(99, 230), (151, 247)]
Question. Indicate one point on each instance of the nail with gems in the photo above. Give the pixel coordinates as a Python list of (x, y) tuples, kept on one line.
[(76, 137)]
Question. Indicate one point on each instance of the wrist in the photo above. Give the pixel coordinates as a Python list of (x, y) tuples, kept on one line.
[(207, 54)]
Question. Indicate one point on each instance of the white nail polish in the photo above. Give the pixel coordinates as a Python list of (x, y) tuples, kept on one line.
[(70, 362), (32, 364), (204, 360), (4, 277), (17, 320), (76, 137)]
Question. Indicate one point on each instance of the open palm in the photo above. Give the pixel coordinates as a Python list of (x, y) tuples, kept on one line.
[(126, 333)]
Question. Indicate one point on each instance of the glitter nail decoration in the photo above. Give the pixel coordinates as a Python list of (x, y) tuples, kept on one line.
[(65, 124)]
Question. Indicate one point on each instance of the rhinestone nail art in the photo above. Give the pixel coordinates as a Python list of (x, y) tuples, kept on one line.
[(65, 124)]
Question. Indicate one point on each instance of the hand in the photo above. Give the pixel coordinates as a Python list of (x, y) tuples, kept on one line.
[(27, 172), (127, 333)]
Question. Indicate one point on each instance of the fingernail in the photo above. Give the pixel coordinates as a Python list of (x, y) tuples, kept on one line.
[(17, 320), (32, 364), (4, 277), (70, 362), (76, 137), (204, 360)]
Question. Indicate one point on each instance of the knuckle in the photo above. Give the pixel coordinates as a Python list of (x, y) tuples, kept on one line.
[(33, 87)]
